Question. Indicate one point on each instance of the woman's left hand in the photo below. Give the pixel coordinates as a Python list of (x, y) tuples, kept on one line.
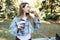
[(36, 15)]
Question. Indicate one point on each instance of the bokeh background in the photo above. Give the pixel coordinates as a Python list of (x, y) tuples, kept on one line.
[(48, 11)]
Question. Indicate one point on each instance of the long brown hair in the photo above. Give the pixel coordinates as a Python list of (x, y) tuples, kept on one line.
[(21, 13)]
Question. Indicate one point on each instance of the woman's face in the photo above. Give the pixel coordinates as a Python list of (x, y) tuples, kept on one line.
[(26, 8)]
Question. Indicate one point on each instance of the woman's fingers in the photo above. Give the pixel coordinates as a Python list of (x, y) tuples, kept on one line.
[(36, 15), (20, 25)]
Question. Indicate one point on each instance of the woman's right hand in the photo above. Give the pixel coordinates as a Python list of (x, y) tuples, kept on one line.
[(20, 26)]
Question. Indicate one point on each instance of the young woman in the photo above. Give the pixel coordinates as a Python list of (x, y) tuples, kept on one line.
[(24, 24)]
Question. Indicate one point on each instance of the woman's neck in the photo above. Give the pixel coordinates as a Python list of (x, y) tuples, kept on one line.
[(24, 15)]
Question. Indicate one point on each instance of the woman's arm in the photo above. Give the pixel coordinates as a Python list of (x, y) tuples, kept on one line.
[(13, 27), (37, 23), (36, 20)]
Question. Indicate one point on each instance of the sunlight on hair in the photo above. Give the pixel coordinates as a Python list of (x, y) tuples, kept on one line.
[(31, 2)]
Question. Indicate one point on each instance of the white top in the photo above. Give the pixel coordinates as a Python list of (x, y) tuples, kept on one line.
[(28, 36)]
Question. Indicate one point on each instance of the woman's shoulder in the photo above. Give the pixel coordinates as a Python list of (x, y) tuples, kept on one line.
[(16, 17)]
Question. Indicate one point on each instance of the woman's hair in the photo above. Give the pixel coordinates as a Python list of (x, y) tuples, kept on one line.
[(21, 13)]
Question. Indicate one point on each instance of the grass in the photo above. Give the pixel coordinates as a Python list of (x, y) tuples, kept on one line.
[(4, 31), (45, 30)]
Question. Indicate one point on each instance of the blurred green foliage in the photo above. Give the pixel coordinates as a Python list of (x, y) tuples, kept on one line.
[(51, 9), (8, 9)]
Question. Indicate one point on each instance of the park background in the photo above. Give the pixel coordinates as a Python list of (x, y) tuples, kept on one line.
[(48, 11)]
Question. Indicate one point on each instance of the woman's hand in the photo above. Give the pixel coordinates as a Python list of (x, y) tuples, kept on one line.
[(36, 15), (20, 26)]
